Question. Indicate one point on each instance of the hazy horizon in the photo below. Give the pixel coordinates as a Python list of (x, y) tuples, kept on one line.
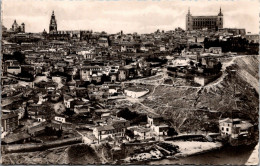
[(129, 16)]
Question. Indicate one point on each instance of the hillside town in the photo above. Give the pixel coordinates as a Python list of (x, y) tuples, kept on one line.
[(64, 88)]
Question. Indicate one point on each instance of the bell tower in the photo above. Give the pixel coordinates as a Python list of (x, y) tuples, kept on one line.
[(220, 19), (189, 21), (53, 24)]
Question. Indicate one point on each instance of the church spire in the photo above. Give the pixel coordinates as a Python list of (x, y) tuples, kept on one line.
[(220, 12), (53, 24), (189, 12)]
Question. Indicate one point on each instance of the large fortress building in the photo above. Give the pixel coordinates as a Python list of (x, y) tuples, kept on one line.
[(201, 22)]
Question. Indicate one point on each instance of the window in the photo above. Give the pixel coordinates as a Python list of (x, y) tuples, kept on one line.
[(222, 128), (227, 129)]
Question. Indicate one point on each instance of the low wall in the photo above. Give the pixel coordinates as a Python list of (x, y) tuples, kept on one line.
[(116, 97), (136, 94), (140, 144), (203, 80), (39, 146), (19, 78), (193, 137), (132, 148)]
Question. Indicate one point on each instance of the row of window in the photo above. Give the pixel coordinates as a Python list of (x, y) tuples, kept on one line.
[(60, 119), (205, 23), (227, 129), (204, 19)]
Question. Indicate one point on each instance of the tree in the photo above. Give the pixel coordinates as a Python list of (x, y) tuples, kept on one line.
[(191, 63), (172, 132), (26, 111), (59, 133)]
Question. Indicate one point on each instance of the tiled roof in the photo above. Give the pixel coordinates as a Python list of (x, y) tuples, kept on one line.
[(8, 116), (105, 128), (15, 137)]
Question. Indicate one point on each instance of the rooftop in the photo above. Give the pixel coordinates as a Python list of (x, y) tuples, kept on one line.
[(8, 116), (15, 137), (105, 128)]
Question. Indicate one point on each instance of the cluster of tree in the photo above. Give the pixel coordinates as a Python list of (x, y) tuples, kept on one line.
[(17, 55), (49, 131), (82, 154), (63, 74), (25, 74), (156, 59), (179, 48), (133, 117), (233, 44), (195, 46), (22, 40), (172, 132)]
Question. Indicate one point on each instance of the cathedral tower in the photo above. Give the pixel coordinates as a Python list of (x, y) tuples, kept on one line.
[(220, 19), (53, 24), (188, 21)]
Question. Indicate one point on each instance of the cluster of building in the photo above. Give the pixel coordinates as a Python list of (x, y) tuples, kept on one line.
[(235, 128), (16, 28), (202, 70), (120, 129), (65, 78)]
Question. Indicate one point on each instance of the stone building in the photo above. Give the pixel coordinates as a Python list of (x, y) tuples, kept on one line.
[(201, 22), (53, 24), (16, 28), (9, 122)]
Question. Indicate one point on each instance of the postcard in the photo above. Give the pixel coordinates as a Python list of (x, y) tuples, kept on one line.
[(143, 82)]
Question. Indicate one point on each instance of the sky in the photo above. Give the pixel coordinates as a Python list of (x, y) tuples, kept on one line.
[(112, 16)]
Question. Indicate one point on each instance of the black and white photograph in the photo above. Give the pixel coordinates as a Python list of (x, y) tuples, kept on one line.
[(129, 82)]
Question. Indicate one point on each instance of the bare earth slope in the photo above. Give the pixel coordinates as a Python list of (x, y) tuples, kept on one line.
[(235, 91)]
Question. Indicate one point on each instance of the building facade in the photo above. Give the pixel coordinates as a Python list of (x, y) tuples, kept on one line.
[(9, 122), (252, 38), (234, 31), (235, 128), (201, 22)]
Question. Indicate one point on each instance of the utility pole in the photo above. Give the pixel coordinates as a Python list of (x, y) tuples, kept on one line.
[(234, 92), (234, 96)]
